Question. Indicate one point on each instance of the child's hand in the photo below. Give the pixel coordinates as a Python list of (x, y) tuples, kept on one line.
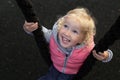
[(101, 56), (30, 26)]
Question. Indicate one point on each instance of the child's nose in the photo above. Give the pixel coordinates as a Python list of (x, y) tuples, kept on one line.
[(67, 33)]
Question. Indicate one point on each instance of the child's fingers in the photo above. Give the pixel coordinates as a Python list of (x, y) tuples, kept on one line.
[(105, 54), (34, 26), (98, 56), (30, 26)]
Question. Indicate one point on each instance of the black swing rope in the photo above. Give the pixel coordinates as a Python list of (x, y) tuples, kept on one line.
[(26, 7)]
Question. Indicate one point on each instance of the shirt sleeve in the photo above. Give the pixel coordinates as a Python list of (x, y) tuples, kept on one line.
[(47, 33)]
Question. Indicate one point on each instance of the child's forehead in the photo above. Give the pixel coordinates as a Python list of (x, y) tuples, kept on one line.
[(73, 22), (71, 19)]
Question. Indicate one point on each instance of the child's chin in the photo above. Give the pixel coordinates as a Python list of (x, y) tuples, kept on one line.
[(65, 46)]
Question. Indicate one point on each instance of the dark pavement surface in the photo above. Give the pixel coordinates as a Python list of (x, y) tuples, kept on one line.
[(20, 58)]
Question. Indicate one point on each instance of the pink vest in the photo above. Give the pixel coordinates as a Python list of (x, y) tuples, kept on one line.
[(72, 63)]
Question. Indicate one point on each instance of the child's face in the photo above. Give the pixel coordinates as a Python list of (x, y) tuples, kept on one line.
[(70, 34)]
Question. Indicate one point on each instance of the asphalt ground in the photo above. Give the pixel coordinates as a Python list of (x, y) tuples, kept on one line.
[(20, 58)]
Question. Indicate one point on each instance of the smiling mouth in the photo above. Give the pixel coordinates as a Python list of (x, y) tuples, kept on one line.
[(65, 40)]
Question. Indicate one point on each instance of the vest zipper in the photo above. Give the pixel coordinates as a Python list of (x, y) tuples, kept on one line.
[(65, 62), (66, 58)]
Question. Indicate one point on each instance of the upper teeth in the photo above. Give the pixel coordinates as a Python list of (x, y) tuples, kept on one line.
[(65, 39)]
